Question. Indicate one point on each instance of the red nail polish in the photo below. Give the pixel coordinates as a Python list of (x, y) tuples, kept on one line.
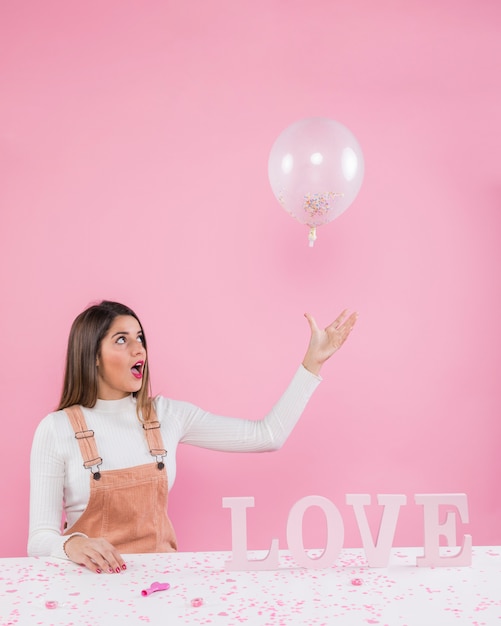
[(124, 566), (117, 570), (98, 571)]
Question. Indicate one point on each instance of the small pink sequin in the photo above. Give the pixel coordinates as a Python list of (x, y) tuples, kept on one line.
[(357, 582), (197, 602), (51, 604)]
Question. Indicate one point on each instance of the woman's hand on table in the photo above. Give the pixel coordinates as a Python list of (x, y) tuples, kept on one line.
[(324, 342), (96, 554)]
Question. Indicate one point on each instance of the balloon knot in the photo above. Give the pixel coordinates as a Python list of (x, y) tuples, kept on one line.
[(312, 236)]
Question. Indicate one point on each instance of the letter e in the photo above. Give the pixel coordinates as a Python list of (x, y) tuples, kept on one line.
[(433, 529)]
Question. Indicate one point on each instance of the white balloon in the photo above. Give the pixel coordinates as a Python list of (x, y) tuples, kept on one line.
[(316, 168)]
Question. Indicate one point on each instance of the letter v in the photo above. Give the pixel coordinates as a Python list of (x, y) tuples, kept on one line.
[(377, 554)]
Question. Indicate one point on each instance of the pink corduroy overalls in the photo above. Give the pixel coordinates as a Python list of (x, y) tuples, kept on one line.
[(127, 507)]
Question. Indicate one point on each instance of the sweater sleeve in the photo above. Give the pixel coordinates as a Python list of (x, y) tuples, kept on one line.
[(229, 434), (47, 468)]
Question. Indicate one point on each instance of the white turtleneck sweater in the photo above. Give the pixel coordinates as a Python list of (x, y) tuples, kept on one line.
[(60, 483)]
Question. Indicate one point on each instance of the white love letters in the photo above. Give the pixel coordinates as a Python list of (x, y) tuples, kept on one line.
[(377, 552)]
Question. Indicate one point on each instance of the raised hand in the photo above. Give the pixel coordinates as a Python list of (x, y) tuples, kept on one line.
[(324, 342)]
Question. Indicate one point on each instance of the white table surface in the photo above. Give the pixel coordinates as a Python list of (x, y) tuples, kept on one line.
[(400, 594)]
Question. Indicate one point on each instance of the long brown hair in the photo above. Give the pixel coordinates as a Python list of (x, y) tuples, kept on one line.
[(84, 344)]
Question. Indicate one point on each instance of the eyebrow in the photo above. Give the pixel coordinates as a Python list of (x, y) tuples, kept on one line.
[(126, 332)]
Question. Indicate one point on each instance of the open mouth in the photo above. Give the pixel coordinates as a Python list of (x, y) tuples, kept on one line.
[(137, 369)]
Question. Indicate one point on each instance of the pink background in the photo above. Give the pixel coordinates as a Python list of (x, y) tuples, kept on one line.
[(133, 163)]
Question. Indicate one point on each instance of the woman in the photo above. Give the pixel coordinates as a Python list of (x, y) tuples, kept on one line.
[(106, 458)]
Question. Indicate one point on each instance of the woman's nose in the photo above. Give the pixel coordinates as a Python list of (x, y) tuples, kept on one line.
[(138, 348)]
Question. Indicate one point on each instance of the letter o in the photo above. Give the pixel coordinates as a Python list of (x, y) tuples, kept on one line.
[(335, 532)]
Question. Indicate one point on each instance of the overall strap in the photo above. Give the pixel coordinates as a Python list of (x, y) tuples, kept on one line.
[(85, 438), (154, 439)]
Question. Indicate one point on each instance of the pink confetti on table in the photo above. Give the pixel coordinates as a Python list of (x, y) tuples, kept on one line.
[(289, 595)]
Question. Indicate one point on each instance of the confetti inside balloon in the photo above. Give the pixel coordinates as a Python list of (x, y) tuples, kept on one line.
[(316, 168)]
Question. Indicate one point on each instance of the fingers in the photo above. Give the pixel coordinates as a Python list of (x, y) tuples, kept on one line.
[(98, 555), (339, 318), (350, 322), (311, 322), (341, 327), (106, 557), (106, 561), (347, 326), (94, 563), (340, 323)]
